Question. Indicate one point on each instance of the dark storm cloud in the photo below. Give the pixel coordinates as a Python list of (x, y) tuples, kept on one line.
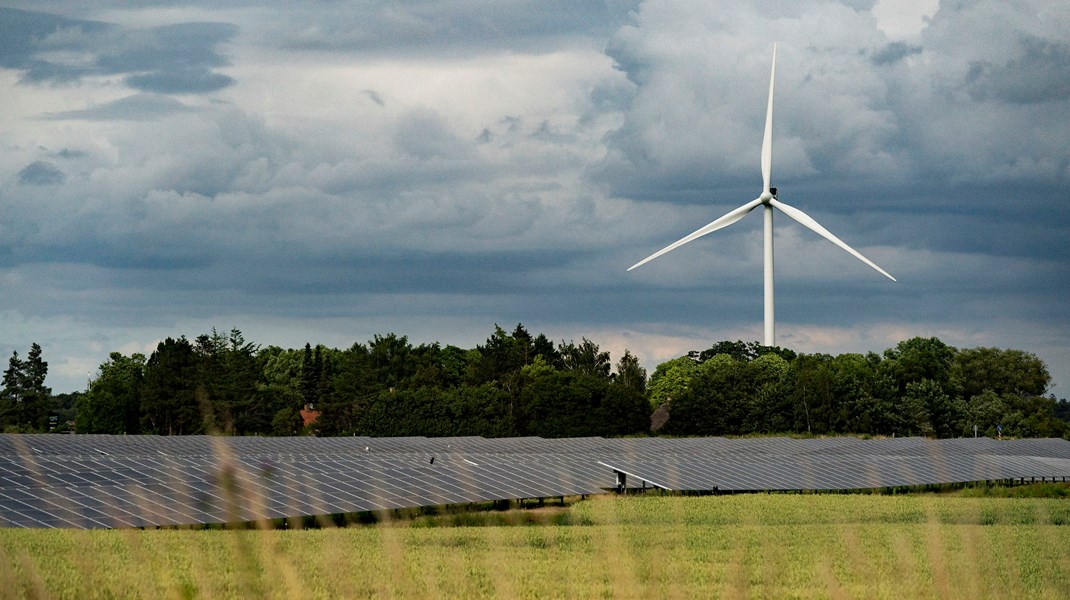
[(178, 58), (144, 256), (1041, 73), (41, 173), (504, 162), (182, 81), (173, 58), (23, 34), (371, 270), (894, 52), (691, 130)]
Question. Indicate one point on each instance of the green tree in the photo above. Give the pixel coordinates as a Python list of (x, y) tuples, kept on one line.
[(287, 421), (1002, 371), (921, 358), (499, 358), (426, 368), (228, 384), (623, 410), (928, 410), (280, 387), (281, 368), (311, 373), (13, 395), (248, 410), (574, 404), (988, 410), (390, 358), (39, 394), (481, 410), (354, 386), (466, 410), (867, 394), (1062, 410), (112, 404), (169, 403), (584, 358), (1039, 418), (745, 351), (454, 364), (769, 408), (24, 399), (63, 415), (816, 407), (715, 402), (630, 373), (671, 379)]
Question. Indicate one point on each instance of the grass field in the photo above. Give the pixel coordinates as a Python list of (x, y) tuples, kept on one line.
[(746, 546)]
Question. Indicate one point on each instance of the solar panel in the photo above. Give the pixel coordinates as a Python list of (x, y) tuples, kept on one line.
[(101, 481)]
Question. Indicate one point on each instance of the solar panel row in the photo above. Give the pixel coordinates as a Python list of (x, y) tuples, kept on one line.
[(100, 481)]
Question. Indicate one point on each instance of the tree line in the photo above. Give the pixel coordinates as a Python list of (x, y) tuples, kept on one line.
[(518, 384), (515, 384), (921, 387)]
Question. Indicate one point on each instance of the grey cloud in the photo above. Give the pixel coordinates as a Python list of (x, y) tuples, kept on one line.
[(177, 58), (173, 59), (692, 122), (139, 107), (397, 210), (408, 271), (68, 153), (446, 27), (182, 81), (1040, 74), (24, 33), (138, 254), (168, 47), (894, 52), (425, 135), (545, 133), (41, 173)]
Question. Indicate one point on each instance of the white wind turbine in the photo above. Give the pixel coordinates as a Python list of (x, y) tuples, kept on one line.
[(767, 200)]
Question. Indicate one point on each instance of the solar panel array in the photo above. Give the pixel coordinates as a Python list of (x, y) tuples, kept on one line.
[(102, 481)]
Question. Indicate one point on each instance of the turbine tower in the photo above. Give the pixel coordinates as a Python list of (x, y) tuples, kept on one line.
[(767, 200)]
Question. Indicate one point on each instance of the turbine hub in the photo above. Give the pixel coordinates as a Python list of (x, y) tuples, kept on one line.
[(766, 197)]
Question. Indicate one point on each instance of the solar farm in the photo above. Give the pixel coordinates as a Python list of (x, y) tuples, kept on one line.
[(102, 482)]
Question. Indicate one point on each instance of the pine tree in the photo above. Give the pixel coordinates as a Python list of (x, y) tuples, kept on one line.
[(24, 399), (38, 395), (311, 368), (11, 397)]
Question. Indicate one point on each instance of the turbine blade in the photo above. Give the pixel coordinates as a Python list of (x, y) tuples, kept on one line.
[(816, 227), (724, 221), (767, 141)]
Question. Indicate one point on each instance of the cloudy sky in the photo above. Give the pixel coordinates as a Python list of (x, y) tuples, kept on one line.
[(327, 171)]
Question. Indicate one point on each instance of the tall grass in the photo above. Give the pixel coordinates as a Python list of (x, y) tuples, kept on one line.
[(746, 546)]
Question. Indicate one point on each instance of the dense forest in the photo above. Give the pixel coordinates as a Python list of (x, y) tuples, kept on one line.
[(518, 384)]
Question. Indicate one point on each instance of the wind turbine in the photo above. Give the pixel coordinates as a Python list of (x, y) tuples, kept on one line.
[(768, 200)]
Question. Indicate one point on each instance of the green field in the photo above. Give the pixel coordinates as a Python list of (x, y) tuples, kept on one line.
[(745, 546)]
